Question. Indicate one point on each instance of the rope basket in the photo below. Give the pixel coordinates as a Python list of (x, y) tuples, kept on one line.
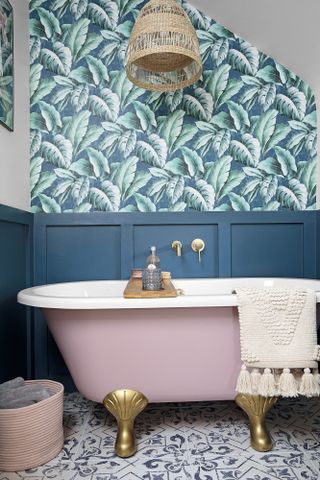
[(33, 435), (163, 51)]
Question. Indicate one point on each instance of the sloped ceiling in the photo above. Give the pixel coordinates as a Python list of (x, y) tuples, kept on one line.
[(287, 30)]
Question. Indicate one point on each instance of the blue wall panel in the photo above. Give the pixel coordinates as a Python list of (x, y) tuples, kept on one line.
[(15, 274), (83, 253), (267, 250), (188, 264)]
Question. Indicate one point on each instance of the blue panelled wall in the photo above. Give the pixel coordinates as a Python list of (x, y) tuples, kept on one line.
[(15, 273), (69, 247)]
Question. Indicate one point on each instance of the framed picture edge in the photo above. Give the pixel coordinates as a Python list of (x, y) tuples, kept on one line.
[(11, 128)]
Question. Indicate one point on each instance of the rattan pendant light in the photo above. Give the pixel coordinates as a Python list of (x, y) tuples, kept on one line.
[(163, 50)]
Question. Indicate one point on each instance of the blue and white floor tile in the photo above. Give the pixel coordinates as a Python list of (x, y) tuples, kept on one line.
[(195, 441)]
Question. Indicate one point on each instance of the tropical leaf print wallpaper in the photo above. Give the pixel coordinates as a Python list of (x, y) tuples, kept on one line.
[(242, 138)]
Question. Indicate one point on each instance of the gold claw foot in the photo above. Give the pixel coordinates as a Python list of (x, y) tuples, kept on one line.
[(257, 407), (125, 405)]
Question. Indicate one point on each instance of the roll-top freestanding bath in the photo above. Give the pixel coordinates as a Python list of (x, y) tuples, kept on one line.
[(172, 349)]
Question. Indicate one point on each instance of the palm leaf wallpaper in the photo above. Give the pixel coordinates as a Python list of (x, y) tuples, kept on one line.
[(242, 138)]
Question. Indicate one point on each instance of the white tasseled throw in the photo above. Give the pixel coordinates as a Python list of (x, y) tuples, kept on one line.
[(278, 342)]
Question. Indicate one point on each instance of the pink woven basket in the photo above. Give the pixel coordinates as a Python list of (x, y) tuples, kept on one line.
[(32, 436)]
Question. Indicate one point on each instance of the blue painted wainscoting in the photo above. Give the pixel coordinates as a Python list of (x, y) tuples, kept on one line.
[(106, 246), (15, 274)]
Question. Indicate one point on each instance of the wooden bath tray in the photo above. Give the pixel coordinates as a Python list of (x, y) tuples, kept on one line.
[(134, 290)]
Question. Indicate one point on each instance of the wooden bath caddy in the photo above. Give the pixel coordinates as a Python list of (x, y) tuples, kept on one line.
[(134, 289)]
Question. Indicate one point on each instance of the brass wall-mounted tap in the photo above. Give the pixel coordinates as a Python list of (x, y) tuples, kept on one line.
[(198, 246), (177, 246)]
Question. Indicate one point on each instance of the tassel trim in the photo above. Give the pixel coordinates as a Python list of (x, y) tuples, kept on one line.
[(309, 386), (269, 384), (288, 386), (244, 381)]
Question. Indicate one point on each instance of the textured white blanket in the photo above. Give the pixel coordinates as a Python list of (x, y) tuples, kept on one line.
[(278, 335)]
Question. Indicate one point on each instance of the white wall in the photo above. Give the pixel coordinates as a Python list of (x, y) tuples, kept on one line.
[(287, 30), (14, 146)]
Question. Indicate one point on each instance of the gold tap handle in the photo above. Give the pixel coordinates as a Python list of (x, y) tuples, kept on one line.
[(197, 246)]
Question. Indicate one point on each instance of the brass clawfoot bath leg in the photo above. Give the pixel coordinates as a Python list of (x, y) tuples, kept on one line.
[(257, 407), (125, 405)]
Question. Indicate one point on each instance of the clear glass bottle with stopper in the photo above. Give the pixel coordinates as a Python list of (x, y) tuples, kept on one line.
[(153, 258), (151, 275)]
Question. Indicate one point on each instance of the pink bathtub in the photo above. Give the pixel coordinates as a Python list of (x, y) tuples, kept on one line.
[(171, 349)]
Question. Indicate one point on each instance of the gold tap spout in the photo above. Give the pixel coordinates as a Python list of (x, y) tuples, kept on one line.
[(177, 246)]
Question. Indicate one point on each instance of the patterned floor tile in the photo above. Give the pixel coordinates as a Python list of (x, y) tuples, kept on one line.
[(188, 441)]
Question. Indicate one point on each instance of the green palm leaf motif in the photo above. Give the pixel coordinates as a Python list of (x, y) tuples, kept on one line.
[(35, 171), (106, 107), (49, 22), (242, 138), (294, 196), (76, 36), (50, 115), (238, 203), (35, 75), (104, 13), (174, 188), (144, 203), (286, 161), (247, 151), (220, 50), (172, 128), (58, 60), (49, 205), (173, 100), (80, 190), (35, 142), (218, 174), (221, 142), (197, 18), (193, 161), (308, 176), (267, 95), (79, 97), (76, 128), (268, 188), (293, 104), (200, 106), (245, 60), (201, 197), (127, 143), (146, 116), (107, 199), (265, 127), (154, 152), (125, 6), (59, 153), (35, 47), (239, 115), (98, 70), (78, 8), (217, 82), (126, 174), (98, 161)]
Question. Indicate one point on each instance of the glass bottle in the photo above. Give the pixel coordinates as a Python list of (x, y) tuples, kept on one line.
[(151, 275), (153, 258)]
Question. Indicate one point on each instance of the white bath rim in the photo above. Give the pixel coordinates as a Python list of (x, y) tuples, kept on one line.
[(197, 292)]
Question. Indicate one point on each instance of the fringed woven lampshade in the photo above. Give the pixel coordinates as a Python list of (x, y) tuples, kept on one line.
[(163, 50)]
